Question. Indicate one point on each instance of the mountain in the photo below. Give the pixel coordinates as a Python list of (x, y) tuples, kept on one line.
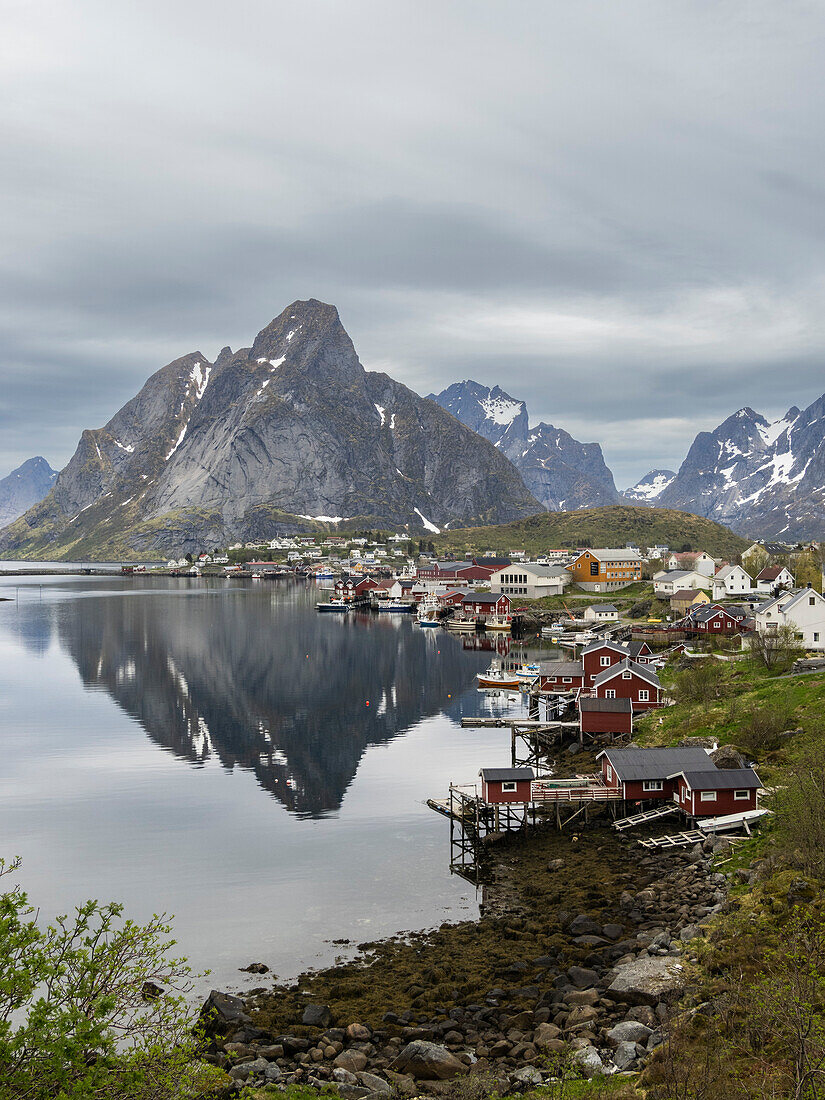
[(290, 430), (615, 525), (561, 472), (763, 477), (24, 487), (650, 488)]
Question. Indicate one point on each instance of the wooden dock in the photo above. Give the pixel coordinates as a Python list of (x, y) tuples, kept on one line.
[(501, 723), (675, 840), (648, 815)]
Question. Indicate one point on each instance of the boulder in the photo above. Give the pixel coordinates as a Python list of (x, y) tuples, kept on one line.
[(343, 1076), (628, 1031), (624, 1056), (582, 978), (359, 1033), (590, 1062), (545, 1033), (222, 1012), (352, 1060), (690, 932), (427, 1061), (317, 1016), (582, 925), (726, 756), (272, 1072), (646, 980), (373, 1083), (527, 1075)]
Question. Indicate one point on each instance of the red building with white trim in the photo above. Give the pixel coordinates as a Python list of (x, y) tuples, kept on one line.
[(629, 680)]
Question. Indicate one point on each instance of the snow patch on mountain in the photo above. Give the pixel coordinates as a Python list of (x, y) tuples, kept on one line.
[(501, 410), (652, 484)]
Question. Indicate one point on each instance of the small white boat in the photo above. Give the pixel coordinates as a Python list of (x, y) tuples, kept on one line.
[(399, 606), (730, 821), (496, 677), (527, 673), (332, 606), (497, 625), (256, 576)]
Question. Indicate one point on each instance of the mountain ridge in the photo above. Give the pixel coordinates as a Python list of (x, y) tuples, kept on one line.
[(24, 487)]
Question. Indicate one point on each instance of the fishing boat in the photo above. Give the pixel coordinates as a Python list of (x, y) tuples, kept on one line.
[(428, 612), (466, 626), (496, 677), (332, 605), (527, 673), (399, 606), (497, 625)]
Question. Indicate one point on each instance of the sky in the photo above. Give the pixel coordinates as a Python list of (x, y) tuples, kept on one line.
[(613, 210)]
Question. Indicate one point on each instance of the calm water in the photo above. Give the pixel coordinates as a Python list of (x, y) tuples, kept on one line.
[(206, 749)]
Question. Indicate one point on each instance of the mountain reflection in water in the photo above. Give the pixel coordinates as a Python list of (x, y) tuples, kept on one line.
[(259, 680)]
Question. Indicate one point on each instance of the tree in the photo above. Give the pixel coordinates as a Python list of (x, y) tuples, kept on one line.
[(775, 650), (808, 570), (755, 560), (92, 1007)]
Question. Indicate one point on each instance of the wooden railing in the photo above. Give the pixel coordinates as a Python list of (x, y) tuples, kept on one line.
[(592, 789)]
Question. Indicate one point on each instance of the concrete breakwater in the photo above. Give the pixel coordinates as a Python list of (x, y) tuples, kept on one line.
[(579, 954)]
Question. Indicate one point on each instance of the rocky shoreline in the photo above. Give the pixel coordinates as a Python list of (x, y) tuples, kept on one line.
[(534, 981)]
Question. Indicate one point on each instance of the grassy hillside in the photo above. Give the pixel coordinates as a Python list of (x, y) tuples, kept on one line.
[(611, 526)]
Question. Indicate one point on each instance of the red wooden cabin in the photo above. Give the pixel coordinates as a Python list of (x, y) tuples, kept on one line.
[(629, 680), (613, 716), (555, 676), (500, 785), (716, 792), (643, 774)]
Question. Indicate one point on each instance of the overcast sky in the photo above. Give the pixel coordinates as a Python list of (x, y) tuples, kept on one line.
[(613, 210)]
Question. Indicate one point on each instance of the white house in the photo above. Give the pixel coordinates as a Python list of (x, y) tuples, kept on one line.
[(530, 580), (731, 580), (773, 577), (698, 561), (802, 610), (601, 613), (675, 580)]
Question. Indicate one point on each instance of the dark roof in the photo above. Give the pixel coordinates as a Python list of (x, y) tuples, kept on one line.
[(630, 764), (644, 672), (603, 607), (605, 643), (560, 668), (636, 648), (770, 572), (482, 597), (685, 595), (606, 706), (498, 563), (719, 779), (506, 775)]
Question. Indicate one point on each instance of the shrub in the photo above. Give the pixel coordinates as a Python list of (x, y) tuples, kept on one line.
[(92, 1006)]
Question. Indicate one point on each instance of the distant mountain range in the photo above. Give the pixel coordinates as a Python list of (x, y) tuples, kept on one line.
[(24, 487), (290, 430), (293, 433), (559, 471)]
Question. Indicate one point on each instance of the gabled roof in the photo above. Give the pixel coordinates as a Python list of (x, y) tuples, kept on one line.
[(560, 668), (726, 570), (608, 607), (771, 572), (507, 775), (708, 612), (537, 570), (490, 563), (635, 648), (483, 597), (685, 594), (718, 779), (606, 706), (632, 764), (644, 672), (678, 574), (606, 643)]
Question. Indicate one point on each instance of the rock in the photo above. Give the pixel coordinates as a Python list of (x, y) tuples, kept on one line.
[(582, 997), (427, 1061), (555, 865), (272, 1072), (726, 756), (545, 1033), (255, 1068), (343, 1076), (317, 1016), (628, 1031), (588, 1058), (150, 991), (527, 1075), (624, 1055), (690, 932), (221, 1012), (646, 981), (581, 1014), (373, 1083), (582, 978), (612, 931), (582, 925), (352, 1060), (358, 1033)]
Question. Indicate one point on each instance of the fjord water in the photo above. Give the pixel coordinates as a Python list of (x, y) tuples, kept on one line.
[(220, 751)]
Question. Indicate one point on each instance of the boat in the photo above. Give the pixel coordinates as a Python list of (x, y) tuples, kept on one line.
[(256, 576), (401, 607), (497, 624), (332, 605), (466, 625), (527, 673), (730, 821), (428, 612), (496, 677)]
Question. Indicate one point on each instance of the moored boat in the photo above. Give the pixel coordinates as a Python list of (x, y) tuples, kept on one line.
[(332, 605), (496, 677)]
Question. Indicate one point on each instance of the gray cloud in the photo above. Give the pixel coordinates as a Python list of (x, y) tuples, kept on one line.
[(614, 211)]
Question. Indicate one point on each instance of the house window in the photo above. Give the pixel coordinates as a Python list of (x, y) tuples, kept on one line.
[(741, 796), (567, 680), (816, 635), (812, 601), (610, 694), (508, 788), (604, 662), (644, 695), (626, 675), (716, 625), (653, 785), (594, 569), (609, 774), (592, 677), (707, 796)]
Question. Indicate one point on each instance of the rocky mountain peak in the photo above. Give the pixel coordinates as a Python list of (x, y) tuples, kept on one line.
[(23, 487)]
